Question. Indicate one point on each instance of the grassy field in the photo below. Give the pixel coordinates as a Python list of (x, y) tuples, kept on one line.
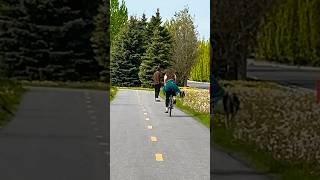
[(10, 95), (277, 129)]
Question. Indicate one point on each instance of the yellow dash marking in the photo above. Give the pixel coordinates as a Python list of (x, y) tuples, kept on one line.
[(159, 157), (153, 139), (145, 113), (149, 127), (147, 119)]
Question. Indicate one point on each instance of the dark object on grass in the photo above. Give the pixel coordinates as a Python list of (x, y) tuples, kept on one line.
[(231, 106), (182, 94)]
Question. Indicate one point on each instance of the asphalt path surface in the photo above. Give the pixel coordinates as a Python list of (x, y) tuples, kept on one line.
[(304, 77), (57, 134), (200, 85), (181, 150), (225, 166), (284, 74)]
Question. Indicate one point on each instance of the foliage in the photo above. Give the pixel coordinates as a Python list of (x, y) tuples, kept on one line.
[(118, 17), (201, 69), (100, 40), (185, 44), (48, 39), (126, 56), (113, 92), (292, 34), (10, 94), (158, 52), (234, 26)]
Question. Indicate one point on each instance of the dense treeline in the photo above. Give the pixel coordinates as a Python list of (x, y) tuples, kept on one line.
[(292, 33), (143, 44), (138, 49), (48, 39)]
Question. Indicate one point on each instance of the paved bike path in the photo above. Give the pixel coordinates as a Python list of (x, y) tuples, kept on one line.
[(56, 134), (182, 141), (226, 167)]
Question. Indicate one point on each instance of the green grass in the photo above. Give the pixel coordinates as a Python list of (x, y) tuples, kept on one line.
[(68, 84), (201, 117), (10, 96), (113, 92)]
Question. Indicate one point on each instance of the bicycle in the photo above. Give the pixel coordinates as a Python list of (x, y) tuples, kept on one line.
[(170, 107)]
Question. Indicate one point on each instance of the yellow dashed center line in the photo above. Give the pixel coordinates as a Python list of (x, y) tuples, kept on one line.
[(147, 119), (153, 139), (159, 157), (149, 127)]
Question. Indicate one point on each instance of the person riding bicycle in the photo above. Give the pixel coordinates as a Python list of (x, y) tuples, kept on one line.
[(170, 86)]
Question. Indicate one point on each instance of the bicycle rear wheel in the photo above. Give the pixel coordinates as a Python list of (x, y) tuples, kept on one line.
[(170, 105)]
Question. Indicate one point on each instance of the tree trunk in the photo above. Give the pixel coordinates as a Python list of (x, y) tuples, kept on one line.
[(242, 68)]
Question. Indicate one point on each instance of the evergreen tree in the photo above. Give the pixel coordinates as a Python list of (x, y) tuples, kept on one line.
[(10, 11), (143, 29), (48, 39), (156, 55), (156, 23), (158, 51), (128, 49), (101, 38)]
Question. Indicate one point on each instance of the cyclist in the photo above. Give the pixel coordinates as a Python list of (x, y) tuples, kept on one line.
[(170, 86)]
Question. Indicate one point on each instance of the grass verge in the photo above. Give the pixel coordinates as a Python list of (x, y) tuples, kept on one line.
[(266, 132), (113, 92), (258, 159), (10, 96)]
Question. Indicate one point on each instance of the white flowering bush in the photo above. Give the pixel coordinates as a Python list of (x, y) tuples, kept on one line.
[(280, 120), (197, 99)]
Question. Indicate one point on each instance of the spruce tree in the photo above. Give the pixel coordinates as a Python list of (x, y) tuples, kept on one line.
[(101, 39), (158, 51), (10, 41), (143, 29), (156, 23), (127, 52), (156, 55), (48, 39)]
